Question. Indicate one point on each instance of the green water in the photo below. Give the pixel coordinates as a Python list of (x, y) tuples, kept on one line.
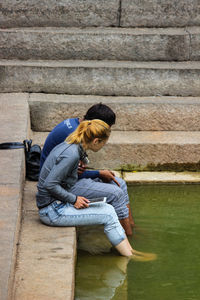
[(167, 223)]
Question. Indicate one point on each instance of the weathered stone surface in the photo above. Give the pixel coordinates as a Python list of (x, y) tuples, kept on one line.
[(140, 149), (195, 43), (162, 177), (9, 232), (158, 13), (78, 13), (172, 150), (141, 113), (97, 44), (101, 77), (14, 115), (14, 123), (49, 252)]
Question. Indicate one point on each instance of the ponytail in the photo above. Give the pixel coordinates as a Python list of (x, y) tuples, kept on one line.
[(89, 130)]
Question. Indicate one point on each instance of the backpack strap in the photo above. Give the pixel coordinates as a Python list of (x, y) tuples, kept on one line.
[(27, 145), (12, 145)]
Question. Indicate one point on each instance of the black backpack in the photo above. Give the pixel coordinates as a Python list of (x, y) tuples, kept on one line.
[(32, 155)]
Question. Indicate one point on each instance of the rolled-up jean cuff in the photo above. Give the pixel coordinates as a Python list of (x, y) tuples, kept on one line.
[(123, 213), (115, 235), (117, 241)]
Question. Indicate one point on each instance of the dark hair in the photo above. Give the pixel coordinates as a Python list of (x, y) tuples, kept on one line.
[(102, 112)]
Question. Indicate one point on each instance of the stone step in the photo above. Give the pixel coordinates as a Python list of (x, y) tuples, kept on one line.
[(156, 13), (149, 151), (162, 177), (111, 78), (133, 113), (76, 13), (125, 13), (14, 124), (46, 256), (140, 44)]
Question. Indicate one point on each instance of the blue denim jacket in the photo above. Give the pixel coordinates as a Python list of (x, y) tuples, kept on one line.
[(59, 174)]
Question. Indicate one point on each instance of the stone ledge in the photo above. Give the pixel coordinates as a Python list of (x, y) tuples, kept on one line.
[(46, 256), (137, 44), (156, 13), (106, 78), (133, 113), (59, 13), (14, 123), (145, 150), (162, 177), (21, 283)]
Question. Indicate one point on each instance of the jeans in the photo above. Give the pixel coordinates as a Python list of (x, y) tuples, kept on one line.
[(65, 214), (116, 196)]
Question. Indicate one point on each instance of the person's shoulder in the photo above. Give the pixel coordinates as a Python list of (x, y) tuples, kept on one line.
[(64, 148), (71, 150), (68, 147), (70, 123)]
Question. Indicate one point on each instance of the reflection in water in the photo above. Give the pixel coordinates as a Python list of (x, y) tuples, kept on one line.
[(99, 276), (167, 223)]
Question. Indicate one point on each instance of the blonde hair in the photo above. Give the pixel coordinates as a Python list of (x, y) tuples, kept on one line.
[(87, 131)]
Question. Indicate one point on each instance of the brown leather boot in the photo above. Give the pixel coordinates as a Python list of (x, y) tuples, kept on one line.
[(127, 226), (130, 216)]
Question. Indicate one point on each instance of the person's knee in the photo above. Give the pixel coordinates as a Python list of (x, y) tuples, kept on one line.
[(109, 209), (121, 181), (119, 194), (123, 185), (119, 202), (115, 193), (111, 216)]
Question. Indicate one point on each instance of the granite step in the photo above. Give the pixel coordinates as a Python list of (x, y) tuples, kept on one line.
[(111, 78), (77, 13), (133, 113), (46, 256), (136, 44), (145, 151), (14, 123), (156, 13), (125, 13)]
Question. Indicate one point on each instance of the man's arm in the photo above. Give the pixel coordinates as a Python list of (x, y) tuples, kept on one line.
[(105, 175)]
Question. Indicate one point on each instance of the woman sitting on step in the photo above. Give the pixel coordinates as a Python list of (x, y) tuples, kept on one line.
[(58, 206)]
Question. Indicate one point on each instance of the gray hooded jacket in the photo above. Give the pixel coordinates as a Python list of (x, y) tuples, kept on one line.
[(59, 174)]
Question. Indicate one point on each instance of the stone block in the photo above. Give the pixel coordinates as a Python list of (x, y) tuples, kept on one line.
[(146, 150), (94, 43), (132, 113), (58, 13), (14, 123), (9, 233), (49, 252), (162, 177), (108, 78), (195, 43), (158, 13)]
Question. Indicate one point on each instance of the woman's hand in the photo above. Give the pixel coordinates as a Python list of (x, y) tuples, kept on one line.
[(108, 176), (81, 202)]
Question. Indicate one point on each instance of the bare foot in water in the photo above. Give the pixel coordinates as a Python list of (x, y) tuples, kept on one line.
[(143, 256)]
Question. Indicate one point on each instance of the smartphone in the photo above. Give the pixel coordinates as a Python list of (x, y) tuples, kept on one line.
[(97, 200)]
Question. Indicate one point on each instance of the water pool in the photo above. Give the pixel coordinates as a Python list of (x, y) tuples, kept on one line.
[(167, 223)]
